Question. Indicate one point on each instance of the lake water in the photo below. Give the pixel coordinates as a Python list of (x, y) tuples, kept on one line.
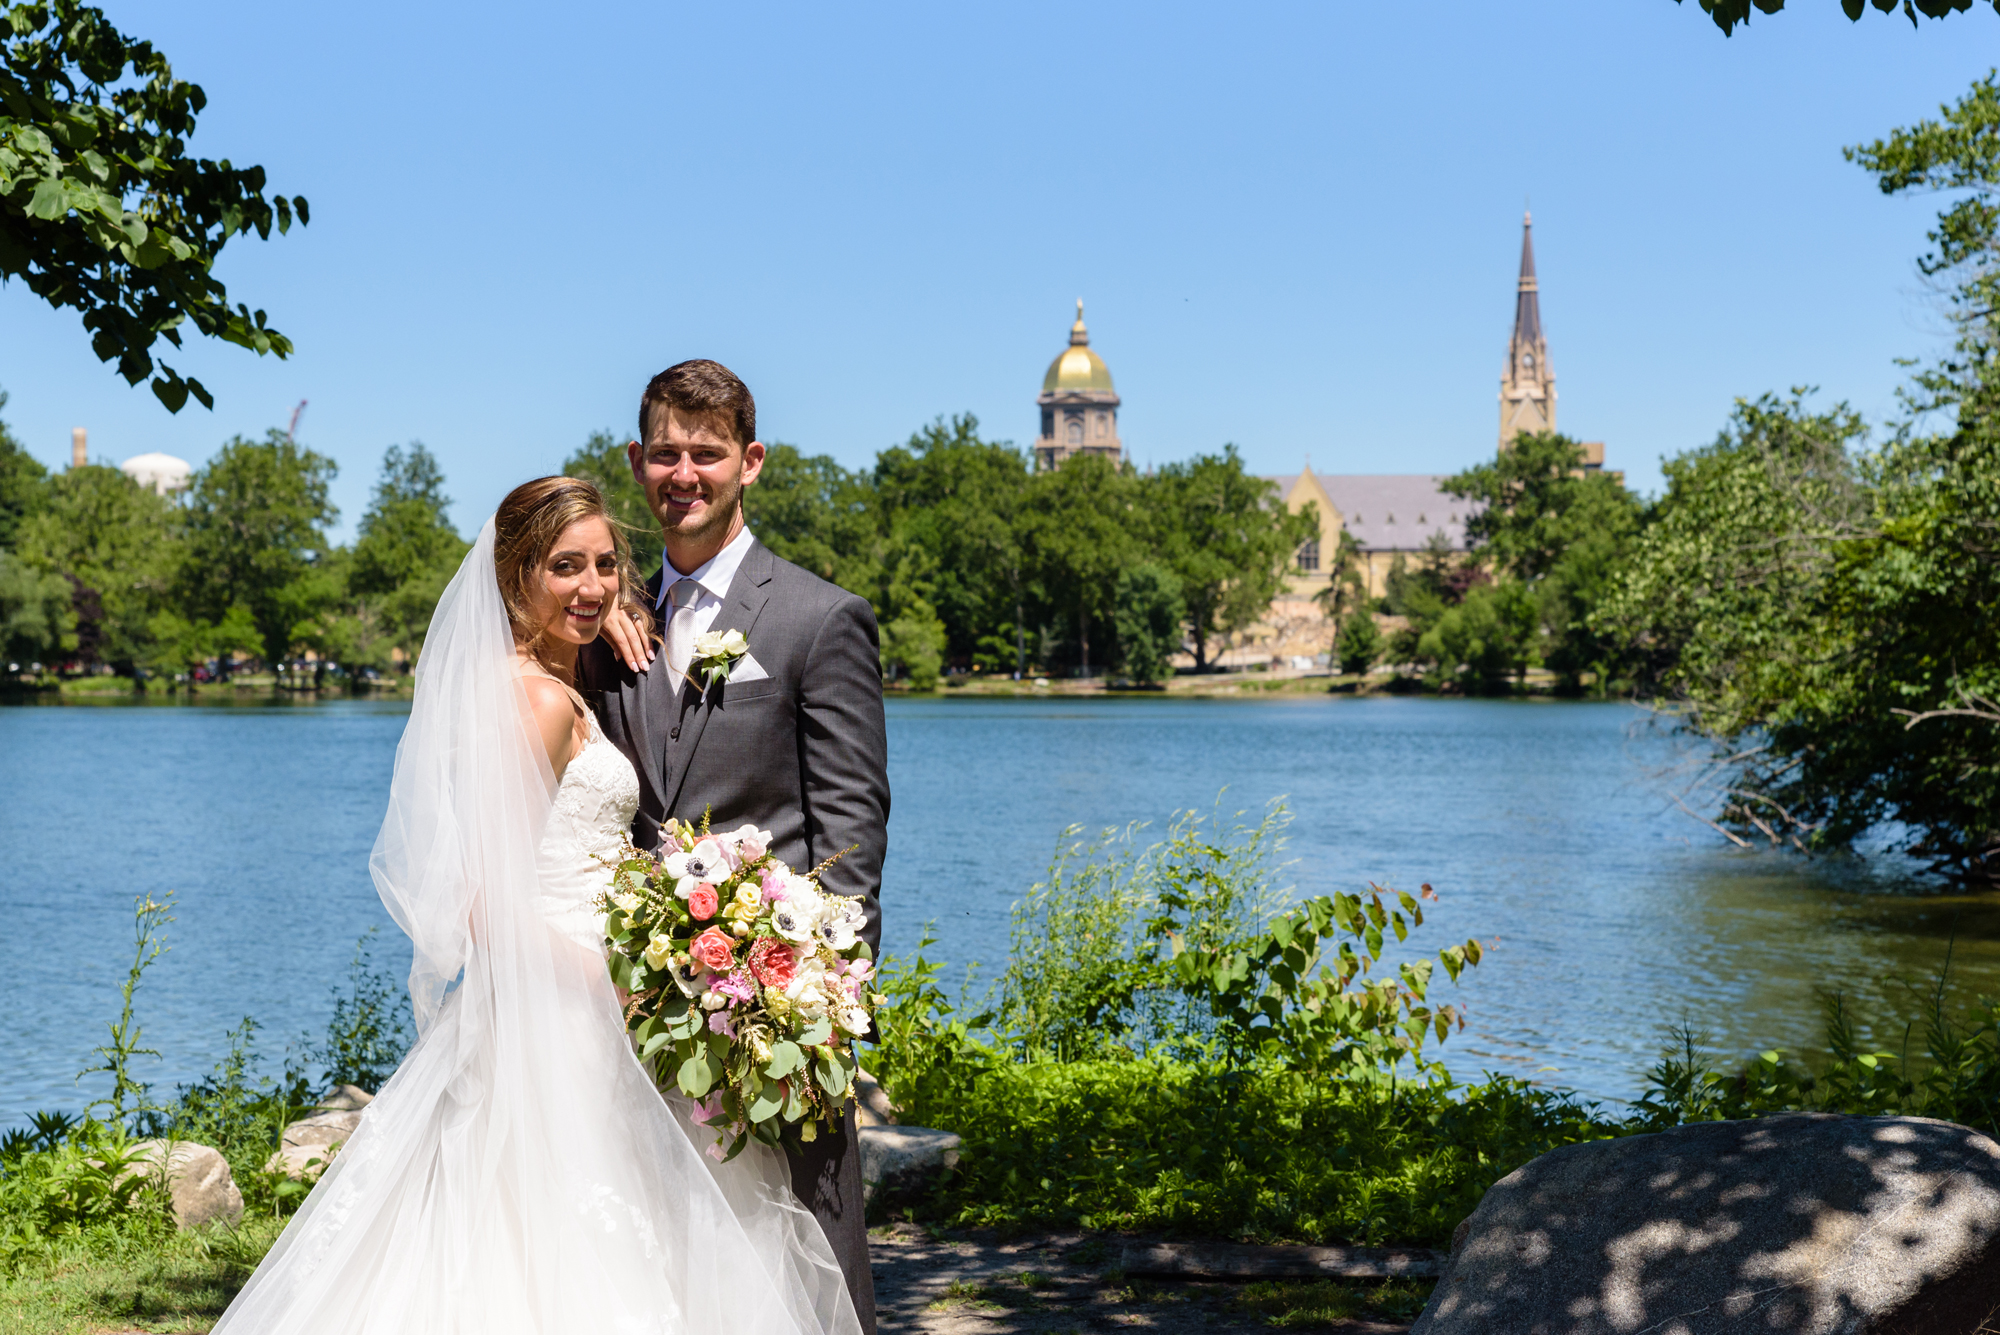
[(1610, 914)]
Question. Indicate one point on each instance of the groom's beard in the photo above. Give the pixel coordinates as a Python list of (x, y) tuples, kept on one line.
[(718, 509)]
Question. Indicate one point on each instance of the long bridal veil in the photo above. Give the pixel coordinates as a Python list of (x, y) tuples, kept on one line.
[(520, 1173)]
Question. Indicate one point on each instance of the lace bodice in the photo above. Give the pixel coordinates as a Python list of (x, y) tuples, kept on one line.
[(593, 810)]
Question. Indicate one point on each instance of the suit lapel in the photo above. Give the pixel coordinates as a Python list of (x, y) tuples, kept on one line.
[(748, 593)]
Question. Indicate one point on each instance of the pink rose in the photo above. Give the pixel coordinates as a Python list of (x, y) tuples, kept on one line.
[(774, 884), (714, 950), (773, 962), (702, 902)]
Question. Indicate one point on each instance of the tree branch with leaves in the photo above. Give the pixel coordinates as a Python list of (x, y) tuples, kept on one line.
[(102, 208)]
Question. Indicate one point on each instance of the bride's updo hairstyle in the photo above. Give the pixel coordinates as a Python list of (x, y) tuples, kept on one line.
[(525, 529)]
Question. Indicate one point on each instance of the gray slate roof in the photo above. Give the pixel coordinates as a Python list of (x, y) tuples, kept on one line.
[(1394, 512)]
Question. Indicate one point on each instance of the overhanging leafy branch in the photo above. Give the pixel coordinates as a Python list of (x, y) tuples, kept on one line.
[(103, 210)]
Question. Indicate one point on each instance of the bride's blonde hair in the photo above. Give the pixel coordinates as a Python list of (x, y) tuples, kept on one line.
[(525, 530)]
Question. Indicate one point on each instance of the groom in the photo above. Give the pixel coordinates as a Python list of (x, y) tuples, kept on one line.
[(793, 740)]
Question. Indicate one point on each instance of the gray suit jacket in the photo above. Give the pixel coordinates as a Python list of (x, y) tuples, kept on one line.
[(802, 753)]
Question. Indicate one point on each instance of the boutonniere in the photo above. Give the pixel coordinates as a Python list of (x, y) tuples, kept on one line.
[(715, 653)]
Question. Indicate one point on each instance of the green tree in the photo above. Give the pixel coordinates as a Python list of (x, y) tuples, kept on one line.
[(814, 513), (1077, 531), (405, 532), (1831, 615), (118, 543), (959, 500), (1148, 619), (256, 525), (1484, 639), (22, 481), (1360, 643), (1347, 583), (1227, 538), (405, 553), (103, 211), (1536, 501), (1562, 531), (34, 610), (913, 647), (602, 460), (1732, 572)]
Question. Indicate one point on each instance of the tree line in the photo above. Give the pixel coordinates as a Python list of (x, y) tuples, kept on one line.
[(971, 559), (100, 571), (976, 562)]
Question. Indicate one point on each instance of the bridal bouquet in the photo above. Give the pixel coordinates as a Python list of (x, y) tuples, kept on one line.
[(748, 984)]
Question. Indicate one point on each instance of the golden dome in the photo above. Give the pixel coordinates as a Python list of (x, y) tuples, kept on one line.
[(1078, 367)]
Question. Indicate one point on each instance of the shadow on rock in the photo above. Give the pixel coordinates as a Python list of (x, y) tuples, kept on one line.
[(1805, 1222)]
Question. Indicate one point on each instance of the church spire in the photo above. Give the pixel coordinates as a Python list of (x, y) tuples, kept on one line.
[(1527, 300), (1528, 388)]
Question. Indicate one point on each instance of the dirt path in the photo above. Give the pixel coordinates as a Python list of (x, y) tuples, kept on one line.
[(968, 1284)]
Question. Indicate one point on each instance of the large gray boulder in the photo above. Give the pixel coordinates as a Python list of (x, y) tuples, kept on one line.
[(904, 1160), (871, 1101), (309, 1144), (1805, 1222), (199, 1184)]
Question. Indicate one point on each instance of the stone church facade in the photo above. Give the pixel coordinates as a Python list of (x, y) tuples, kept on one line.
[(1395, 516)]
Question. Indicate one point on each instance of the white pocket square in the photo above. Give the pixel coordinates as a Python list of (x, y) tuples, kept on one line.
[(747, 668)]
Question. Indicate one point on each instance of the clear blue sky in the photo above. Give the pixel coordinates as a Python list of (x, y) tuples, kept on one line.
[(1295, 226)]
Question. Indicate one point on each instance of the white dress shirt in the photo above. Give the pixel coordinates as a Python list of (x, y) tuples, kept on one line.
[(714, 575)]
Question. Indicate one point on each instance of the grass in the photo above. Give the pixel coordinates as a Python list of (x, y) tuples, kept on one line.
[(1322, 1302), (978, 1297), (111, 1280)]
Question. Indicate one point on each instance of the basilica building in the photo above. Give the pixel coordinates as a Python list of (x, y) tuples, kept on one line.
[(1393, 515)]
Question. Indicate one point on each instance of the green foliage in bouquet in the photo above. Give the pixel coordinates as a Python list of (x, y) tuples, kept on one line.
[(746, 985)]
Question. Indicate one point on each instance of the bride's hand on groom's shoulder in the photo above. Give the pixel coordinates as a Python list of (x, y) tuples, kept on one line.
[(627, 642)]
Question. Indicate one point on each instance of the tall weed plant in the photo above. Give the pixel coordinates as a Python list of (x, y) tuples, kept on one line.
[(70, 1183), (1089, 967)]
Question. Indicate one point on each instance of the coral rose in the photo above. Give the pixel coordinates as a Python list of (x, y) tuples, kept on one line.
[(773, 962), (702, 902), (713, 948)]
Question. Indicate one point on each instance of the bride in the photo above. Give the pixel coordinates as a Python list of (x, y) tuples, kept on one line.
[(520, 1172)]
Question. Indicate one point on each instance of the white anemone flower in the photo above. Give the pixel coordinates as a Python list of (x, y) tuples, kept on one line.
[(793, 922), (800, 890), (837, 932), (706, 861), (689, 976), (854, 1019)]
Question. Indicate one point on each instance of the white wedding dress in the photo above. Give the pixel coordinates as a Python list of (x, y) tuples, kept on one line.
[(520, 1174)]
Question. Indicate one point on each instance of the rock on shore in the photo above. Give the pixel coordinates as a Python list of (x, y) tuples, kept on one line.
[(1807, 1223), (309, 1144), (199, 1183), (904, 1160)]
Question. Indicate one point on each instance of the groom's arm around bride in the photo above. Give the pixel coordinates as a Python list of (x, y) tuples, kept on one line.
[(790, 740)]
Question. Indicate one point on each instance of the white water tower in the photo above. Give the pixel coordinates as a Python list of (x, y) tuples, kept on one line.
[(162, 472)]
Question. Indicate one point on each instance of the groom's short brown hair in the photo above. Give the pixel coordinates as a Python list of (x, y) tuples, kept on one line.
[(702, 388)]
